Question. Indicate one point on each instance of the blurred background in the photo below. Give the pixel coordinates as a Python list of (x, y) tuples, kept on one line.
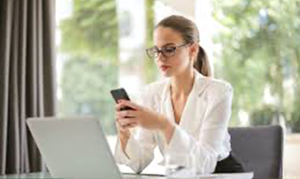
[(252, 44)]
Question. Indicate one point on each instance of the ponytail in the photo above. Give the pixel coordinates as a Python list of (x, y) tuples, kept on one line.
[(202, 64)]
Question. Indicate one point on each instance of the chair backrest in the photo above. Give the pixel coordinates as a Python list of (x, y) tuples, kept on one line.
[(259, 149)]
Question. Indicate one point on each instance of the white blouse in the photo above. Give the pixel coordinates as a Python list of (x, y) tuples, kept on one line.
[(202, 129)]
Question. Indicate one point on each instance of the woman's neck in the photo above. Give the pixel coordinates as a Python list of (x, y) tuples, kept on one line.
[(182, 84)]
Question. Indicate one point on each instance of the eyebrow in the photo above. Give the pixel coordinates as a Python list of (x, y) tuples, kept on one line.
[(170, 43), (167, 44)]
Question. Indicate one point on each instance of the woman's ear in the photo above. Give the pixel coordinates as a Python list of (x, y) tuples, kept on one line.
[(194, 49)]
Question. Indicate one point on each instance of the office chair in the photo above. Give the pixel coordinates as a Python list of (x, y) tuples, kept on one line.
[(259, 149)]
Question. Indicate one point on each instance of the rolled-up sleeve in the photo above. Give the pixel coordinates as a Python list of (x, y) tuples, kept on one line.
[(212, 132)]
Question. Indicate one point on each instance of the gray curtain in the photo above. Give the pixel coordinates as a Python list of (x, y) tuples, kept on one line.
[(27, 79)]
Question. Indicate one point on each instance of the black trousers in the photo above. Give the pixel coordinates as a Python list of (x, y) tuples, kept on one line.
[(229, 165)]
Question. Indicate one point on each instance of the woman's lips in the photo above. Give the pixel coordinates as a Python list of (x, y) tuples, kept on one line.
[(164, 67)]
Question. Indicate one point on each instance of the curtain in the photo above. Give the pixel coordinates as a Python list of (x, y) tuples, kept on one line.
[(27, 79)]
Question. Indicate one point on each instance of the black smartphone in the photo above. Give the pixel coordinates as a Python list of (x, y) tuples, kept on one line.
[(120, 93)]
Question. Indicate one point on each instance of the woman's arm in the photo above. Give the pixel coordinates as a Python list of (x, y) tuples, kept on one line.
[(124, 135), (138, 151), (135, 146)]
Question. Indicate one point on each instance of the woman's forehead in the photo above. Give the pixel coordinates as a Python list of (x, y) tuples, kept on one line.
[(164, 36)]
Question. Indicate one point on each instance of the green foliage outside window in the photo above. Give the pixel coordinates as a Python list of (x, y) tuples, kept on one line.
[(90, 42), (260, 42)]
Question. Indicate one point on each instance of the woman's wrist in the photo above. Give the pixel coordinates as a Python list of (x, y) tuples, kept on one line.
[(124, 137), (124, 141), (168, 129)]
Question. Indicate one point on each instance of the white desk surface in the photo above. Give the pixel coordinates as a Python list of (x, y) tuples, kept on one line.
[(131, 176)]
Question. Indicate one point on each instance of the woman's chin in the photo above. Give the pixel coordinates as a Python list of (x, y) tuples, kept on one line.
[(166, 74)]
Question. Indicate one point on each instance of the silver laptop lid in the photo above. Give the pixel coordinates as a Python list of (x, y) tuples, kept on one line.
[(74, 148)]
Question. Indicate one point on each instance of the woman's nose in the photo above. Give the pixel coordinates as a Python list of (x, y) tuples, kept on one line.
[(160, 57)]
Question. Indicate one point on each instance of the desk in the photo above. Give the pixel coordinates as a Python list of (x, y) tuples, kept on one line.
[(129, 176), (48, 176)]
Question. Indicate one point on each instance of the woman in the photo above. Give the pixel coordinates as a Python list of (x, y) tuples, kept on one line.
[(187, 111)]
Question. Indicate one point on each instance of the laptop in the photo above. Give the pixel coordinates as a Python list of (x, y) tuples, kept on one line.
[(74, 148)]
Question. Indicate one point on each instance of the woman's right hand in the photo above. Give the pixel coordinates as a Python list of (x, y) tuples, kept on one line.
[(124, 123)]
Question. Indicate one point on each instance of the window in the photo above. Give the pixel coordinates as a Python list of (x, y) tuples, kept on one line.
[(87, 35)]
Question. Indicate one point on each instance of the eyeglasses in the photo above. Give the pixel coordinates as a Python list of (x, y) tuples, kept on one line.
[(169, 51)]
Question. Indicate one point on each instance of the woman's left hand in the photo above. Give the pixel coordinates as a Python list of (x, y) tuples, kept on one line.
[(144, 117)]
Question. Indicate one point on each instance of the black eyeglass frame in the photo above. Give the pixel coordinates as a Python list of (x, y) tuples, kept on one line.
[(149, 51)]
